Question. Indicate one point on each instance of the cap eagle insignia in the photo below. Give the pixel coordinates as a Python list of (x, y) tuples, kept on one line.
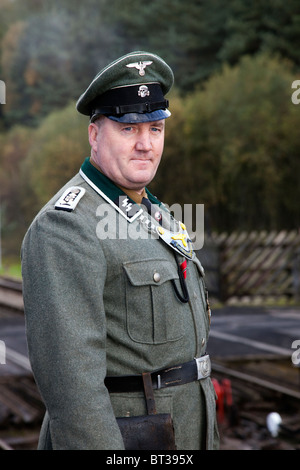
[(140, 66)]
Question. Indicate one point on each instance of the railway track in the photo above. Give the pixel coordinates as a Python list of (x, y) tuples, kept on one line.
[(21, 408), (11, 294), (256, 385)]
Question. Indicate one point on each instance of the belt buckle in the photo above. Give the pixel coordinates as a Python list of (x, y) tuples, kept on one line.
[(203, 366)]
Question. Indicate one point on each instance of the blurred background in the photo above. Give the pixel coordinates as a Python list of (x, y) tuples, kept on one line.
[(232, 144)]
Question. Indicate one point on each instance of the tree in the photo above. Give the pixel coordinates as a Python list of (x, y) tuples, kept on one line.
[(262, 26), (60, 145), (14, 148), (232, 146), (49, 59), (187, 34)]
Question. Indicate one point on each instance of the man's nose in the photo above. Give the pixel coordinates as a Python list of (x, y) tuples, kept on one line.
[(143, 142)]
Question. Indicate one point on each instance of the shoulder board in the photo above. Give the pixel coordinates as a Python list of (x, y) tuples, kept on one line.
[(70, 198)]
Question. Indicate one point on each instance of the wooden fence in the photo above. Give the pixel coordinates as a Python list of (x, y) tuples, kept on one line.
[(254, 266)]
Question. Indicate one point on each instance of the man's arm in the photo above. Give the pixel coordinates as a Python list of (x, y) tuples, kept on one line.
[(64, 272)]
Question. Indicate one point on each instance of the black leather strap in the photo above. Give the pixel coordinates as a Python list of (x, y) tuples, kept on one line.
[(148, 389), (147, 107), (176, 375)]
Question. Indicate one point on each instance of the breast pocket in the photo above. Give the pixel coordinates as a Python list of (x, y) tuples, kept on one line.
[(154, 315)]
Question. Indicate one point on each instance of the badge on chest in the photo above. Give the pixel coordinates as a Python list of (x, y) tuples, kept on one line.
[(179, 241)]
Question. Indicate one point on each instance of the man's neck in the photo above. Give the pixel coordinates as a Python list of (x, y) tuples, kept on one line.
[(136, 196)]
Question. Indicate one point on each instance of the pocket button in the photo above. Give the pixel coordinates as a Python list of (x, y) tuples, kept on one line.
[(156, 277)]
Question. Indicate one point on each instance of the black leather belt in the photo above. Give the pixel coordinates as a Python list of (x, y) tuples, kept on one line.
[(197, 369)]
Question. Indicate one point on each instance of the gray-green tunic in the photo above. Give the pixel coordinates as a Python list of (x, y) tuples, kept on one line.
[(93, 308)]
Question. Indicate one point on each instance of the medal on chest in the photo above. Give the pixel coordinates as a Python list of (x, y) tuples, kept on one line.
[(178, 239)]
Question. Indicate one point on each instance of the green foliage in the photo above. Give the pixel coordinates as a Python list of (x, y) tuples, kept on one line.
[(187, 34), (44, 62), (34, 164), (60, 145), (262, 26), (51, 49), (232, 142), (233, 148), (11, 268), (14, 147)]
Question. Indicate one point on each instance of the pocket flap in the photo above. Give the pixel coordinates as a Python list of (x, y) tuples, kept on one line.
[(150, 272)]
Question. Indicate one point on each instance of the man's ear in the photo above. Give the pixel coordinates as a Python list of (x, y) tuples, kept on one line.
[(93, 130)]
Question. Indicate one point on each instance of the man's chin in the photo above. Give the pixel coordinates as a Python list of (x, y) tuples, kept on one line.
[(140, 181)]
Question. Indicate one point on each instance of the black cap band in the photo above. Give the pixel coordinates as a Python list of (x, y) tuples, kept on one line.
[(131, 108), (131, 99)]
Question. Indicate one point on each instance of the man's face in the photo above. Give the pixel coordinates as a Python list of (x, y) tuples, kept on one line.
[(128, 154)]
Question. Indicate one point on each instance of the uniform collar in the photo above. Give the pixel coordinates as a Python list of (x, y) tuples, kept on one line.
[(177, 239)]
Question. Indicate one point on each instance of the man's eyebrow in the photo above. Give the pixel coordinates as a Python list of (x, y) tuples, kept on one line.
[(158, 123)]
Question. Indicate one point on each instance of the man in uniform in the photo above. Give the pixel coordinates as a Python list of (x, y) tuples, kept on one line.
[(114, 294)]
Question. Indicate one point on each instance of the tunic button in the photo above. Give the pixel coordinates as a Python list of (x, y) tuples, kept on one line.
[(156, 277)]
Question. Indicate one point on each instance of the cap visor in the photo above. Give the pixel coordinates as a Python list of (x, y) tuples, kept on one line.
[(142, 117)]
